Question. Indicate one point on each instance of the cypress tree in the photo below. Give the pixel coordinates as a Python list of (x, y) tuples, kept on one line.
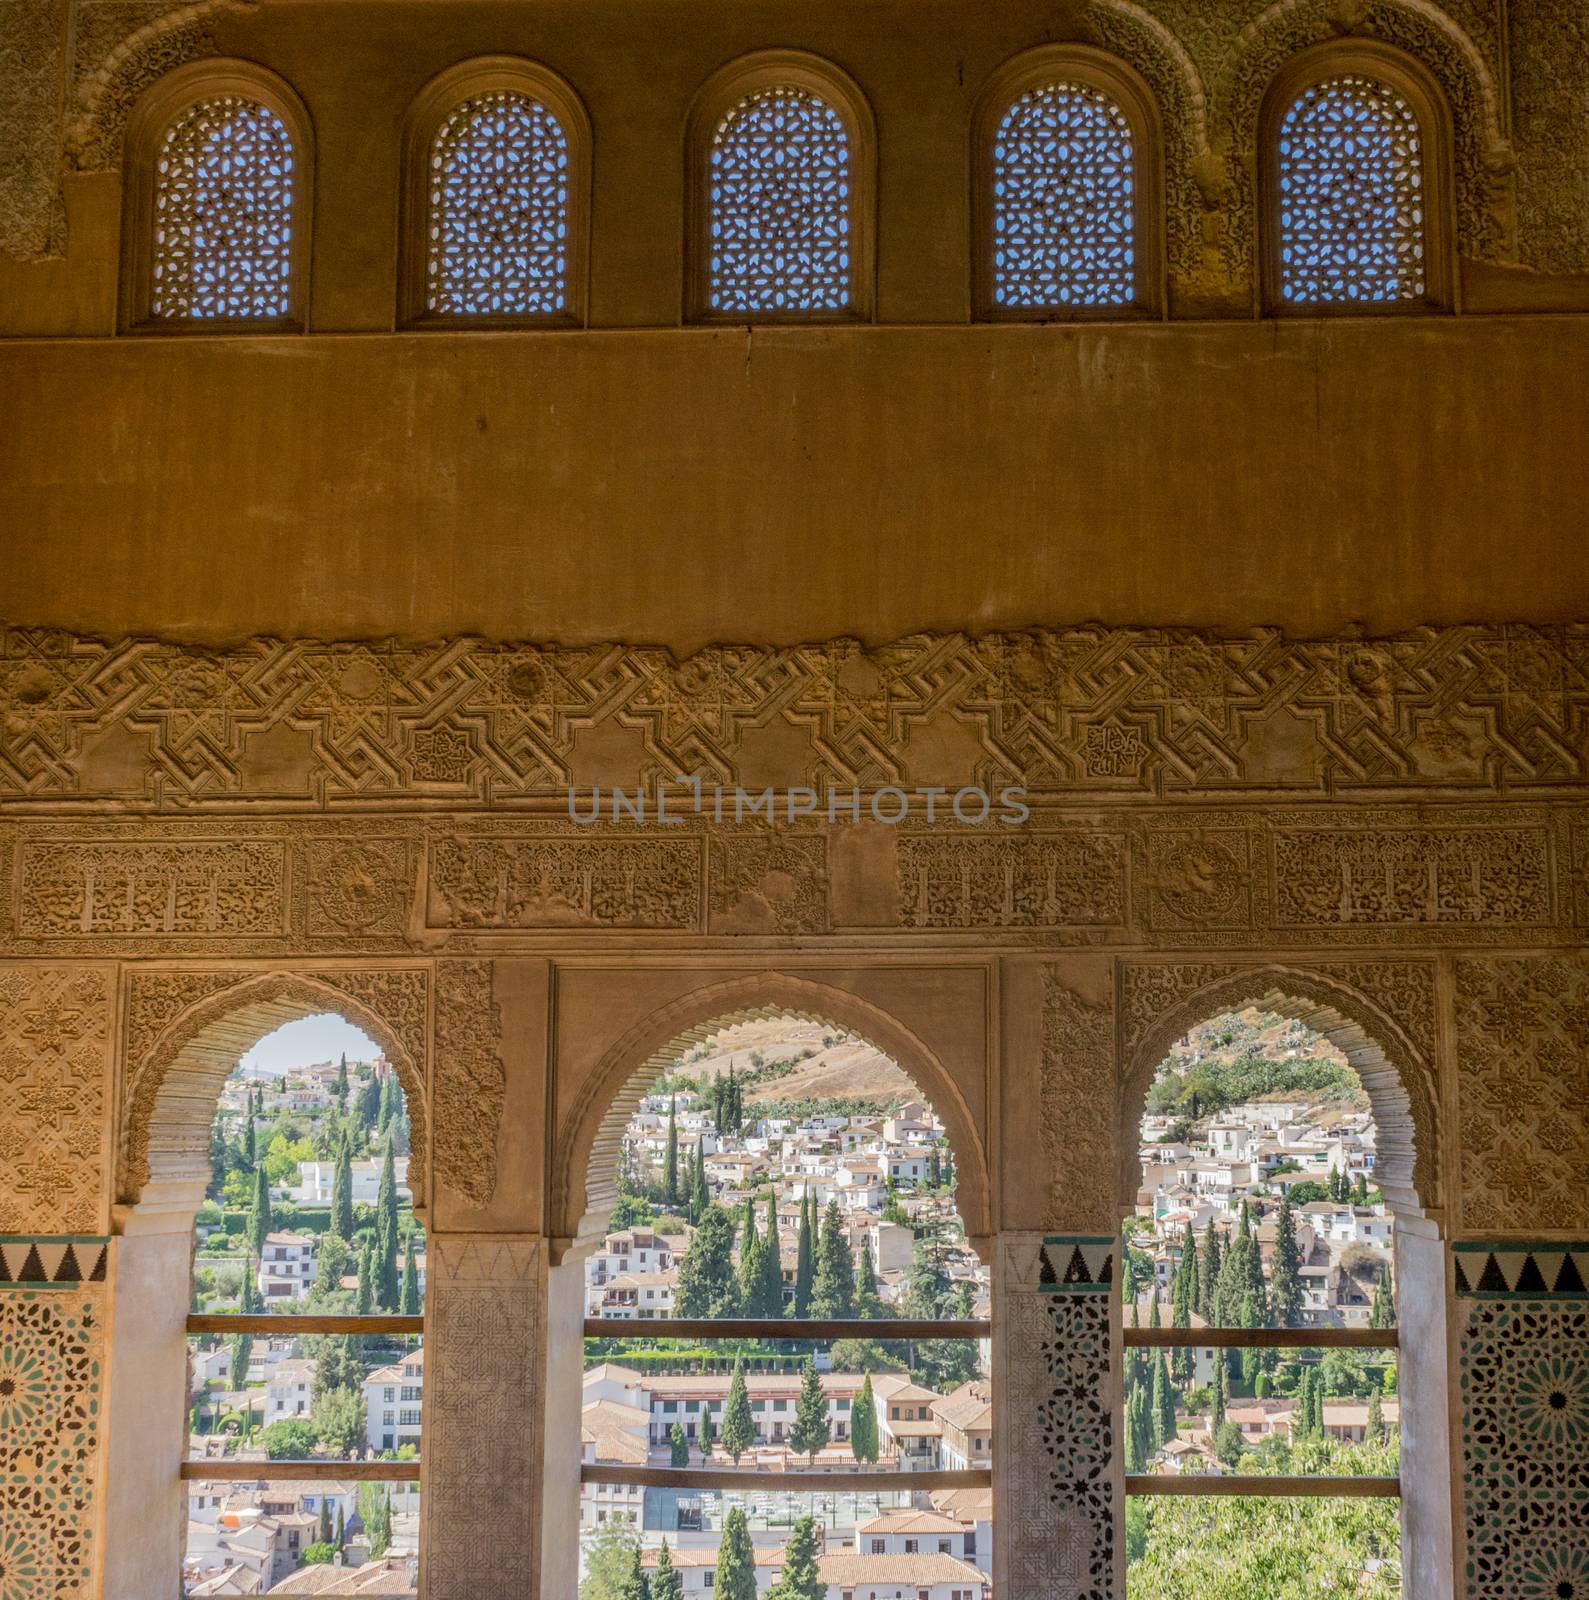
[(736, 1562), (739, 1426), (633, 1585), (323, 1533), (868, 1302), (1208, 1280), (1375, 1432), (342, 1083), (700, 1195), (366, 1292), (811, 1430), (948, 1168), (1285, 1286), (242, 1353), (1382, 1314), (1163, 1401), (667, 1582), (408, 1294), (771, 1264), (259, 1214), (1216, 1409), (1136, 1440), (1302, 1416), (833, 1283), (386, 1285), (670, 1162), (342, 1527), (750, 1264), (387, 1106), (1154, 1320), (934, 1172), (342, 1193), (250, 1140), (805, 1264), (708, 1286), (678, 1446), (863, 1423), (800, 1579)]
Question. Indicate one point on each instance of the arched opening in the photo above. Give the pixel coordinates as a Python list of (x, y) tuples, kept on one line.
[(766, 1181), (1279, 1217), (269, 1283)]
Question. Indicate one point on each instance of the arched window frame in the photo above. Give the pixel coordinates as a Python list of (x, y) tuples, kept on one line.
[(449, 89), (1409, 78), (151, 118), (725, 89), (1129, 90)]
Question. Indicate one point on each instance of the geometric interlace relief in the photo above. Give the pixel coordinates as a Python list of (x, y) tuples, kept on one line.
[(497, 243), (1351, 195), (1063, 196), (780, 206), (223, 213)]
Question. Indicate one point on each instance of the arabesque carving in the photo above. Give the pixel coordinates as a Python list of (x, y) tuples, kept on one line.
[(1523, 1093), (1078, 1110), (189, 1028), (468, 1083), (54, 1066)]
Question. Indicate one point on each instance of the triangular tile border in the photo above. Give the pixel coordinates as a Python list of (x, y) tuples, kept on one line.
[(1070, 1265), (52, 1262), (1529, 1271)]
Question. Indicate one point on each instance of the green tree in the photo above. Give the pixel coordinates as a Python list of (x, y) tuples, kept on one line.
[(1375, 1433), (375, 1512), (342, 1193), (367, 1106), (365, 1297), (1382, 1314), (242, 1354), (1228, 1443), (317, 1554), (700, 1194), (248, 1150), (342, 1527), (670, 1162), (290, 1439), (934, 1170), (739, 1426), (333, 1261), (635, 1586), (1285, 1273), (864, 1355), (608, 1560), (927, 1281), (338, 1421), (1163, 1400), (863, 1423), (1360, 1190), (386, 1286), (667, 1582), (408, 1292), (708, 1285), (342, 1083), (868, 1301), (1216, 1404), (678, 1446), (259, 1215), (799, 1580), (1208, 1279), (736, 1562), (811, 1430), (771, 1263), (805, 1263), (1138, 1430), (833, 1284), (387, 1109), (750, 1263)]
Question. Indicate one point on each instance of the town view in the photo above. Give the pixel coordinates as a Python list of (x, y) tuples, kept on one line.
[(785, 1168)]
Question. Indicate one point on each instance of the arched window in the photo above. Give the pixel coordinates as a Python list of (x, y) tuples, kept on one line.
[(218, 196), (780, 190), (1066, 189), (497, 155), (1356, 156)]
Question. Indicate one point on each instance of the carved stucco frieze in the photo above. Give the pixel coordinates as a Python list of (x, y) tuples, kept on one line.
[(54, 1070), (1078, 1108), (469, 1083), (1523, 1092)]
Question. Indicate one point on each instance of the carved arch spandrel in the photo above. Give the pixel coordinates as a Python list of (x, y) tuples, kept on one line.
[(1163, 1002), (591, 1134), (181, 1044)]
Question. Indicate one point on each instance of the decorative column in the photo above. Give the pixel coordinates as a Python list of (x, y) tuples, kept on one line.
[(1059, 1496), (482, 1420)]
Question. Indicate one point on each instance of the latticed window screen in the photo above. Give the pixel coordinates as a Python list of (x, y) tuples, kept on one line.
[(780, 206), (498, 234), (1063, 201), (223, 213), (1351, 195)]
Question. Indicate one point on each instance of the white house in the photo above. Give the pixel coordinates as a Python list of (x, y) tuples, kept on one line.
[(286, 1266), (289, 1390), (316, 1179), (392, 1403)]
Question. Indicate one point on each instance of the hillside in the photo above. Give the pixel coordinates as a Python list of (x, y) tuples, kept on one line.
[(1254, 1055), (823, 1063)]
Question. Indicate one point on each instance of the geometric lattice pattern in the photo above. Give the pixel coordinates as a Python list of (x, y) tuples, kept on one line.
[(54, 1026), (1525, 1448), (1060, 1501), (223, 213), (780, 206), (498, 236), (51, 1354), (1084, 709), (1351, 196), (1063, 200)]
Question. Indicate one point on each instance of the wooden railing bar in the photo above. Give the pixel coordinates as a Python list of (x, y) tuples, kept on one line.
[(226, 1322), (226, 1470), (801, 1479), (1168, 1483), (1265, 1338), (809, 1329)]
